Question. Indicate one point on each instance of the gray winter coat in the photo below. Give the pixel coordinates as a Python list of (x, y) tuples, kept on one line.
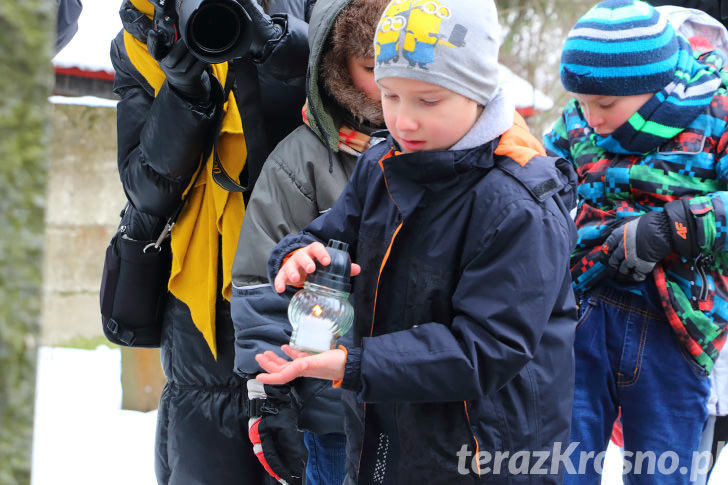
[(301, 179)]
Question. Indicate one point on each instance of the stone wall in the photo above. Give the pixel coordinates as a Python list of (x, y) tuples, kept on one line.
[(84, 197), (67, 85)]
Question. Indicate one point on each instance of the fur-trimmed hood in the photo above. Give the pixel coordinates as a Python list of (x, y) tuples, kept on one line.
[(324, 114)]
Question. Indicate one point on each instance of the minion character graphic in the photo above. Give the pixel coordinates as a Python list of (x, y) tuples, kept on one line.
[(390, 31), (423, 32)]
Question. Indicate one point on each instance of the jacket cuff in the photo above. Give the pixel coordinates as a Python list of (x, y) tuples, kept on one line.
[(352, 370), (281, 252), (266, 398)]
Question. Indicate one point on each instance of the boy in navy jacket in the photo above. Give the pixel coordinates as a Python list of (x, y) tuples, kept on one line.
[(460, 228)]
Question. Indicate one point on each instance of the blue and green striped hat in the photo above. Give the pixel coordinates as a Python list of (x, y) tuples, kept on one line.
[(619, 48)]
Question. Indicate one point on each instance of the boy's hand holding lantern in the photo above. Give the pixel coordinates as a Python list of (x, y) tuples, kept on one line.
[(320, 313)]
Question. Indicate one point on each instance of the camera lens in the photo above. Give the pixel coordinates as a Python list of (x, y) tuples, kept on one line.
[(214, 28)]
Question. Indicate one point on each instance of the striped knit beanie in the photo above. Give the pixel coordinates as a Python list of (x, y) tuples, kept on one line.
[(619, 48)]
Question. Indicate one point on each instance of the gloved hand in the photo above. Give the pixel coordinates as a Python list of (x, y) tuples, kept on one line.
[(277, 443), (635, 247), (185, 73), (266, 30)]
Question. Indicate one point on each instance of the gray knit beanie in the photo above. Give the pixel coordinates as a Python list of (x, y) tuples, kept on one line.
[(451, 43)]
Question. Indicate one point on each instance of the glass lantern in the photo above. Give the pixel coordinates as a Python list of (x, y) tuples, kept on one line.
[(320, 313)]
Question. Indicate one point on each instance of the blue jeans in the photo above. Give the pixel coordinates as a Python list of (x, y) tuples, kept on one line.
[(628, 355), (326, 458)]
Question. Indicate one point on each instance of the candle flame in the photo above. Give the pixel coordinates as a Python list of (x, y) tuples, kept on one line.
[(317, 311)]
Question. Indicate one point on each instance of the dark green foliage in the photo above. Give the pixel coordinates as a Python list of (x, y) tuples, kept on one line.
[(26, 45)]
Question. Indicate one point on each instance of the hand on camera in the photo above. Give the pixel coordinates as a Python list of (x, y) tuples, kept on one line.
[(266, 31), (186, 73)]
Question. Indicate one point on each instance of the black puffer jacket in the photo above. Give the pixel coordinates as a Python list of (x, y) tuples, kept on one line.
[(203, 412), (157, 160)]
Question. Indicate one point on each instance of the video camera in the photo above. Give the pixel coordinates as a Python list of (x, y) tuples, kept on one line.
[(214, 30)]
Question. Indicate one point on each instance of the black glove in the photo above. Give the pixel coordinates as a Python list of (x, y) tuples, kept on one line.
[(266, 30), (273, 431), (634, 248), (186, 74)]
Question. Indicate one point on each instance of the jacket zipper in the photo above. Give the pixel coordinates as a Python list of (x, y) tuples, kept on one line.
[(700, 264), (376, 291), (470, 425)]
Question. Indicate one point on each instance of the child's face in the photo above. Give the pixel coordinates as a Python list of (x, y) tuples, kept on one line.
[(423, 116), (361, 70), (607, 113)]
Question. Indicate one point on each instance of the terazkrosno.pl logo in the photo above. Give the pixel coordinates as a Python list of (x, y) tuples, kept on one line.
[(548, 462)]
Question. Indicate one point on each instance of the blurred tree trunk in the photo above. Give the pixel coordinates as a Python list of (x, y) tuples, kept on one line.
[(142, 379), (533, 34), (26, 45)]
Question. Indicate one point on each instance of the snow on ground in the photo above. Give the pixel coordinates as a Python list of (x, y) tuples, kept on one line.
[(83, 437), (93, 101)]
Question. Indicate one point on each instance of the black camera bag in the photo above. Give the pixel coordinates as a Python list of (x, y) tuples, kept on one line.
[(134, 288)]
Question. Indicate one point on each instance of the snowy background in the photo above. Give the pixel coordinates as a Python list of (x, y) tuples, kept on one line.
[(99, 23), (97, 26), (83, 437)]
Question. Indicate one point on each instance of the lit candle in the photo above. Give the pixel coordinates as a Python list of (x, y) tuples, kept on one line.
[(320, 312), (314, 334)]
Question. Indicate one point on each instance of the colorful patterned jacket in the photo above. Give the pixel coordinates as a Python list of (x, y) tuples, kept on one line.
[(613, 188)]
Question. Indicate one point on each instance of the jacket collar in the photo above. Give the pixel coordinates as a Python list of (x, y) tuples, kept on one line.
[(410, 176), (435, 168), (496, 119)]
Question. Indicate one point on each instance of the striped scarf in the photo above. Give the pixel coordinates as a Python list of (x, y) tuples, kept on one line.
[(351, 141), (669, 111)]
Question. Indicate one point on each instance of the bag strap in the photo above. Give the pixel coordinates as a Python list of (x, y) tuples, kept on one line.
[(248, 100), (219, 175), (157, 244)]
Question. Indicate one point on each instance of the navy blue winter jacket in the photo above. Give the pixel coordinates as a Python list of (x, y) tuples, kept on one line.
[(465, 316)]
